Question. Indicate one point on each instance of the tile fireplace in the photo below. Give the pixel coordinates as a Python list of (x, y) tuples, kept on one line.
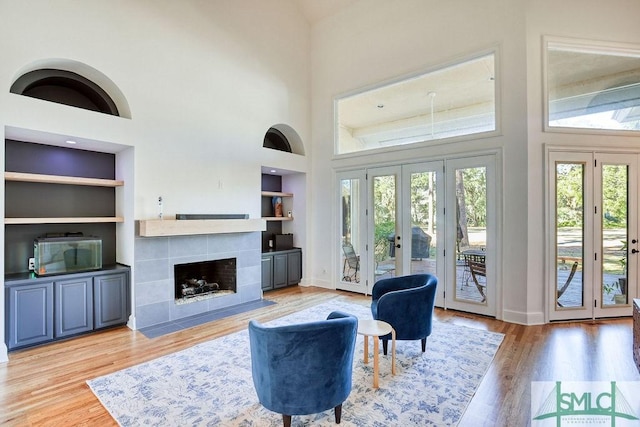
[(155, 278)]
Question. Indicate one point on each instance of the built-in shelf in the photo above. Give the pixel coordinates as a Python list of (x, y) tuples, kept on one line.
[(276, 194), (172, 227), (277, 218), (58, 179), (67, 180), (68, 220)]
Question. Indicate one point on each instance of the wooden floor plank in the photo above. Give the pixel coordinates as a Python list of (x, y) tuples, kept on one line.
[(45, 386)]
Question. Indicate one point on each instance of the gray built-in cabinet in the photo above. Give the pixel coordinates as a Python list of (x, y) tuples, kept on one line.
[(281, 268), (58, 190), (73, 308), (44, 309)]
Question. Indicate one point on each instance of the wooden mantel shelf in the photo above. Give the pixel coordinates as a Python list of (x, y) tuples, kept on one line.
[(172, 227)]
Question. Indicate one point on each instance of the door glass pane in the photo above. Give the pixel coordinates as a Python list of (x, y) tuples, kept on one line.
[(569, 234), (423, 222), (384, 222), (471, 234), (614, 233), (351, 229)]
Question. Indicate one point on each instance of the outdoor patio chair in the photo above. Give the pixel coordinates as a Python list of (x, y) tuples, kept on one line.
[(351, 265), (564, 287), (476, 264)]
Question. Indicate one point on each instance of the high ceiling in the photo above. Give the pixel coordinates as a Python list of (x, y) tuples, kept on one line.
[(386, 113), (316, 10)]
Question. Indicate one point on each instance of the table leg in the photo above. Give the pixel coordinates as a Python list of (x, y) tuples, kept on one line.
[(375, 362), (366, 349), (393, 351)]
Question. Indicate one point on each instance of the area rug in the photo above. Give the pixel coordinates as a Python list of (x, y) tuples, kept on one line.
[(210, 384)]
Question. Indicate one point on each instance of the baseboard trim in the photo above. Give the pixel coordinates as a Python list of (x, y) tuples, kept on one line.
[(523, 318)]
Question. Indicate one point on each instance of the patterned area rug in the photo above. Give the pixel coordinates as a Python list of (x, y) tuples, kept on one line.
[(210, 384)]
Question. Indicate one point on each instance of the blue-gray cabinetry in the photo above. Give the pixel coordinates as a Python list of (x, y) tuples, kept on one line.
[(110, 292), (39, 309), (267, 272), (29, 310), (294, 267), (73, 306), (281, 268)]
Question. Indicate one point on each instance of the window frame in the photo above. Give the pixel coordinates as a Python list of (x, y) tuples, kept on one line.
[(587, 45), (493, 50)]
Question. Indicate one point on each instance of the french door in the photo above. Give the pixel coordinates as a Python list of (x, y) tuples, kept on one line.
[(471, 229), (373, 220), (405, 213), (353, 267), (421, 218), (593, 241)]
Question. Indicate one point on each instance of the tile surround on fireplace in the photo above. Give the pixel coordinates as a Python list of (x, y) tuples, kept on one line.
[(154, 273)]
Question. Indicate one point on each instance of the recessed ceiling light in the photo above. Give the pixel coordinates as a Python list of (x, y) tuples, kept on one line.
[(70, 141), (273, 171)]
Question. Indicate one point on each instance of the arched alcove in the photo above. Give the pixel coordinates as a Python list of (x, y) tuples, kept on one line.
[(71, 83), (275, 140), (283, 138)]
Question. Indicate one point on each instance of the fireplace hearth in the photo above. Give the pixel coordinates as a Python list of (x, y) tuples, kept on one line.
[(203, 280)]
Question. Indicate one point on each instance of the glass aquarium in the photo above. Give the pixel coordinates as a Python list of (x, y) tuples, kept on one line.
[(57, 255)]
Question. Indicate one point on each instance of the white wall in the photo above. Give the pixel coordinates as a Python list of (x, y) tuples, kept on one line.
[(375, 41), (204, 81)]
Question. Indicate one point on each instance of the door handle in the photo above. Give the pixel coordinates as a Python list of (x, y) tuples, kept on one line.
[(399, 246), (634, 251)]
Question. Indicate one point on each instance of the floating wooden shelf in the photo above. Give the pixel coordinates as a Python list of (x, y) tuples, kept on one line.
[(172, 227), (59, 179), (68, 220), (277, 218), (276, 194)]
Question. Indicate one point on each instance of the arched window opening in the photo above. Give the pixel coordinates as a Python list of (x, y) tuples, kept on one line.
[(65, 87), (276, 140)]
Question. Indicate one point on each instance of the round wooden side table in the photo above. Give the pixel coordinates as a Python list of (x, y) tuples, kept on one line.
[(376, 329)]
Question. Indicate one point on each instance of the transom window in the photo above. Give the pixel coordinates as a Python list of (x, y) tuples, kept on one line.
[(449, 102), (592, 86)]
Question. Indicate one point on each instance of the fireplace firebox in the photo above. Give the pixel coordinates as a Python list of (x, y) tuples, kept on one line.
[(206, 279)]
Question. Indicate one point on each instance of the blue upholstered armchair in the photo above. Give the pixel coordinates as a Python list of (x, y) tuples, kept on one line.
[(303, 368), (406, 303)]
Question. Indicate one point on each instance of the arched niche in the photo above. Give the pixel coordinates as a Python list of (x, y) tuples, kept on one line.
[(283, 138), (71, 83)]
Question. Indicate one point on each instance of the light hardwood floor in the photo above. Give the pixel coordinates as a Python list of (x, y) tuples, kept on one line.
[(45, 386)]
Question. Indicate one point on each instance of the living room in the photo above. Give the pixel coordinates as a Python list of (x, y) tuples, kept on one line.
[(200, 83)]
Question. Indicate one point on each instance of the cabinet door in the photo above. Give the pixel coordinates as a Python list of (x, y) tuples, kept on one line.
[(111, 301), (280, 270), (267, 272), (73, 306), (30, 314), (294, 267)]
